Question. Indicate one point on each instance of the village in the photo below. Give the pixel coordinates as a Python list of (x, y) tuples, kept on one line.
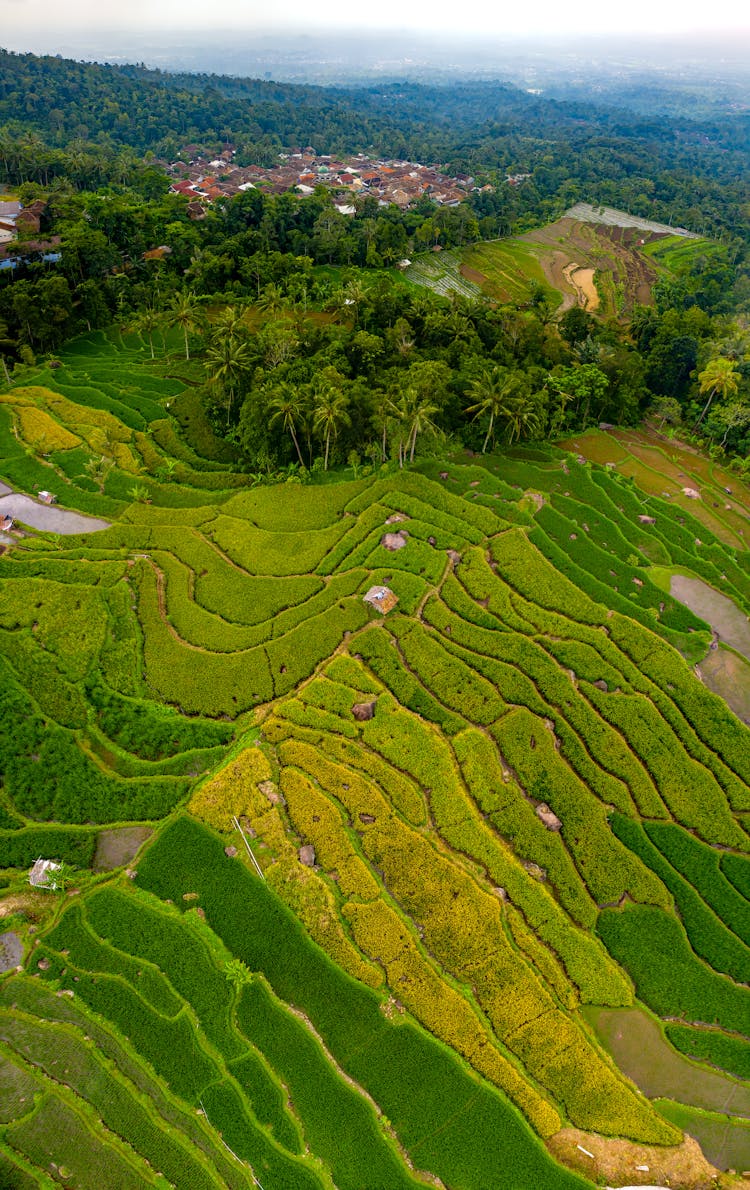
[(402, 183)]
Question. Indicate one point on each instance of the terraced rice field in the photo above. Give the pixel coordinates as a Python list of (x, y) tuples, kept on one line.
[(385, 861), (602, 260)]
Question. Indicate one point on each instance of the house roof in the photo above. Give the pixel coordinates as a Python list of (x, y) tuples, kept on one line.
[(42, 873), (381, 598)]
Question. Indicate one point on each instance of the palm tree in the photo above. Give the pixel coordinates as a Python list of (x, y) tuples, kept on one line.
[(272, 301), (286, 405), (420, 411), (227, 361), (330, 415), (229, 323), (146, 323), (492, 389), (183, 312), (719, 376), (523, 416)]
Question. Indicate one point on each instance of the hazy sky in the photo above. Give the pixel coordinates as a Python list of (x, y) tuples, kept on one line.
[(26, 23)]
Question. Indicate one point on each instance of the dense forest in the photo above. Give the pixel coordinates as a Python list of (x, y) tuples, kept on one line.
[(336, 348)]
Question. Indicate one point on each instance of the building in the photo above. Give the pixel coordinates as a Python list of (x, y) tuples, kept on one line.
[(42, 875), (382, 599)]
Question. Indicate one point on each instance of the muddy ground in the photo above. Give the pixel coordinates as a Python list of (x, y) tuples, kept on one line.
[(575, 248)]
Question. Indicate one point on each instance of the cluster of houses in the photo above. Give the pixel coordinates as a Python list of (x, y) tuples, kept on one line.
[(19, 234), (403, 183)]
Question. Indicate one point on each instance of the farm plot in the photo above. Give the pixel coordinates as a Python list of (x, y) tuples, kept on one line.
[(416, 843)]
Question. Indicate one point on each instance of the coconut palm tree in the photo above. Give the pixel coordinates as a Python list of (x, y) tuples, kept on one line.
[(184, 312), (523, 416), (330, 415), (286, 406), (272, 301), (492, 390), (718, 376), (227, 361), (229, 324), (148, 321)]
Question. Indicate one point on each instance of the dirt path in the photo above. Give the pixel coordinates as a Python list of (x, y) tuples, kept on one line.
[(48, 517)]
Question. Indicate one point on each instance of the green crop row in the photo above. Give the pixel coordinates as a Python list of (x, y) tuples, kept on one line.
[(609, 534), (498, 797), (243, 598), (120, 657), (151, 731), (711, 1045), (262, 552), (196, 681), (73, 937), (736, 868), (58, 1051), (608, 869), (171, 1046), (340, 1125), (138, 930), (416, 556), (61, 569), (39, 673), (66, 621), (269, 1163), (603, 761), (356, 543), (709, 937), (71, 845), (715, 738), (435, 495), (450, 678), (306, 713), (47, 776), (688, 789), (284, 509), (526, 570), (465, 1133), (58, 1135), (652, 947), (192, 623), (40, 1000), (379, 652), (607, 578), (462, 928), (428, 512), (701, 867), (479, 581), (267, 1098)]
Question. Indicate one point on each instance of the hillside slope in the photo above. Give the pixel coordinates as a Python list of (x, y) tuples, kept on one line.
[(391, 857)]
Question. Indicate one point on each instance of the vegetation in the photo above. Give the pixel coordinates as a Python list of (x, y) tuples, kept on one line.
[(390, 855)]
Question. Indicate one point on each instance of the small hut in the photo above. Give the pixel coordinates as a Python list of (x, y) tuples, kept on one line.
[(47, 497), (42, 875), (381, 599), (6, 522)]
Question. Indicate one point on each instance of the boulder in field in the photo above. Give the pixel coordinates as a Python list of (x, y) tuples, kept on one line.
[(362, 711), (307, 855), (547, 817)]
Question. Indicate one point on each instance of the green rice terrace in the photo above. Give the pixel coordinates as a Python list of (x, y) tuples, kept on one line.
[(451, 888), (604, 261)]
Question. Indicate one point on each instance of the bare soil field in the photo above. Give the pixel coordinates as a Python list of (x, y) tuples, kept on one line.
[(595, 266)]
